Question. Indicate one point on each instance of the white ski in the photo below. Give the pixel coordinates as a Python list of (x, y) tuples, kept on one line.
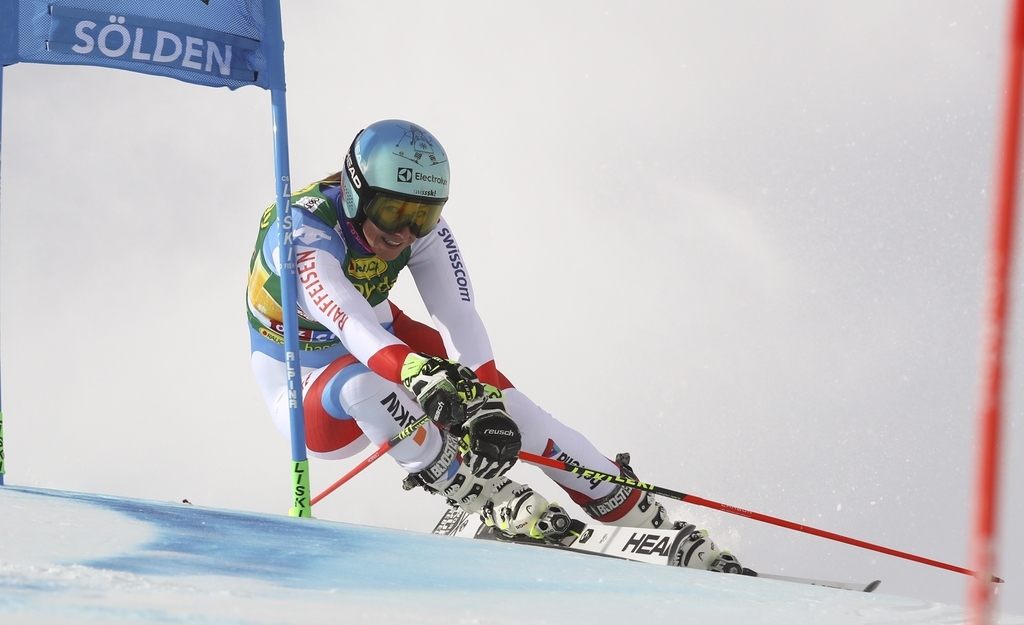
[(626, 543), (820, 582)]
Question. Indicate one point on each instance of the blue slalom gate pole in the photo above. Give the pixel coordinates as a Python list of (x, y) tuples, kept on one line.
[(2, 465), (275, 66)]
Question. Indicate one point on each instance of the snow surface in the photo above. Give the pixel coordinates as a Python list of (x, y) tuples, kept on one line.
[(744, 241), (79, 558)]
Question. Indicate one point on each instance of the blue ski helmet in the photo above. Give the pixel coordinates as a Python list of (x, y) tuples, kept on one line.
[(396, 175)]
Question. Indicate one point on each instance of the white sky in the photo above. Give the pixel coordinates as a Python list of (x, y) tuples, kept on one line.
[(745, 243)]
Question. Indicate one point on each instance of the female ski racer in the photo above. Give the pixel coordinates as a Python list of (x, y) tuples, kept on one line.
[(369, 370)]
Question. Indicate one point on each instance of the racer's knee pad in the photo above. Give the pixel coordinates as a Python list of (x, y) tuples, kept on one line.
[(346, 404), (331, 433)]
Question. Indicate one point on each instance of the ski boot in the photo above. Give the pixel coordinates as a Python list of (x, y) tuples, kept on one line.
[(698, 551), (518, 520), (626, 506), (629, 507), (514, 510)]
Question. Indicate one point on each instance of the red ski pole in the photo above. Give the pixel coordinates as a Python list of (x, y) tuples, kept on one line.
[(757, 516), (383, 449)]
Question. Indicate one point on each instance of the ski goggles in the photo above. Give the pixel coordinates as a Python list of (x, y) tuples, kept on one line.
[(391, 213)]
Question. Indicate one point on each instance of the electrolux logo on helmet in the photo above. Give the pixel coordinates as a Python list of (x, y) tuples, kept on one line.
[(431, 178), (406, 175)]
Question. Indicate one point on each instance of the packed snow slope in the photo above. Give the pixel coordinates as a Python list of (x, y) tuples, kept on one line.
[(79, 558)]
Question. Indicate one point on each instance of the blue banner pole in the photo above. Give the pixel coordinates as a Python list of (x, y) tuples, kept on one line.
[(274, 39), (3, 466)]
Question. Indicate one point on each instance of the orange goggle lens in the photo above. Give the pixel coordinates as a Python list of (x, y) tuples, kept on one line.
[(391, 214)]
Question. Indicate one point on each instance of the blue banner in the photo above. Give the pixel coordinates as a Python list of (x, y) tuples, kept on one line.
[(218, 43)]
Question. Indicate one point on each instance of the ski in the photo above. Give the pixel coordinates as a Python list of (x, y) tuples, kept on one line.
[(625, 543), (870, 587)]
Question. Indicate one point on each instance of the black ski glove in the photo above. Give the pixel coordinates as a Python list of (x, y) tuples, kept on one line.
[(490, 443), (449, 392)]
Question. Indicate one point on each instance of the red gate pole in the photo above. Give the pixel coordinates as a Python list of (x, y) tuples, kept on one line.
[(986, 490)]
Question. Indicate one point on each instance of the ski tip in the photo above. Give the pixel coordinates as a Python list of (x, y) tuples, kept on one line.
[(872, 586), (998, 580)]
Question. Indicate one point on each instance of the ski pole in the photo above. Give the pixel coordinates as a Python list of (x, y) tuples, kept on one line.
[(590, 474), (383, 449)]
